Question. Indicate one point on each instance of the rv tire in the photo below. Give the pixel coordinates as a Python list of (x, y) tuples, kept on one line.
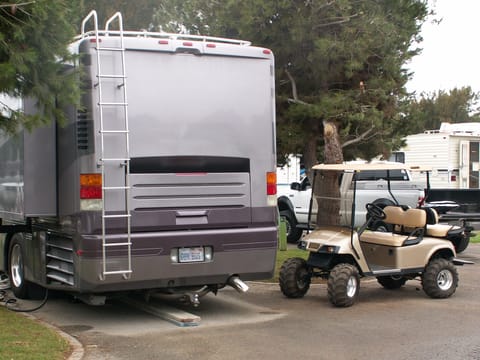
[(16, 269)]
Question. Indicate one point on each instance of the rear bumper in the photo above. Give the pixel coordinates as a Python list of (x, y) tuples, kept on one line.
[(249, 253)]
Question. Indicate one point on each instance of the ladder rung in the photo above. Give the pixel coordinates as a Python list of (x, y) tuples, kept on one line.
[(116, 216), (114, 131), (112, 76), (115, 159), (110, 49), (113, 104), (116, 188), (117, 272), (117, 244)]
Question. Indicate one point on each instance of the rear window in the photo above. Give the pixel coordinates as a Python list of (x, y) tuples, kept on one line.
[(373, 175)]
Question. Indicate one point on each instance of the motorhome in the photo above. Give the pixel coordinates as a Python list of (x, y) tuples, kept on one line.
[(163, 179)]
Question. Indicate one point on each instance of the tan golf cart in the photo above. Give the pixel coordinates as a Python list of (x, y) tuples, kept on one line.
[(342, 253)]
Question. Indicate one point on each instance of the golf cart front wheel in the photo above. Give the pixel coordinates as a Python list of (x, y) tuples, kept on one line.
[(343, 285), (440, 279), (294, 278)]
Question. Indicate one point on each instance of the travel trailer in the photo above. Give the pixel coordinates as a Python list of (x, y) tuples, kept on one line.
[(451, 152)]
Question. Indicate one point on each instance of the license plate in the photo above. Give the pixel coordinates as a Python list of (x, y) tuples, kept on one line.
[(191, 254)]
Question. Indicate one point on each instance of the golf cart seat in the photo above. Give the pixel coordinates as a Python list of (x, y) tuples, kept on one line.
[(435, 229), (408, 227)]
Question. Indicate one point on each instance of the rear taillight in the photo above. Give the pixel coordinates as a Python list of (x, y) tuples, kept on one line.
[(421, 200), (90, 186), (271, 183)]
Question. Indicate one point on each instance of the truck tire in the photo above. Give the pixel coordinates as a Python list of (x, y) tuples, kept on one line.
[(391, 282), (293, 232), (294, 278), (343, 285), (440, 279)]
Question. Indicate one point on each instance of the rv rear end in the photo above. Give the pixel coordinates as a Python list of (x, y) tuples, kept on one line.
[(166, 175)]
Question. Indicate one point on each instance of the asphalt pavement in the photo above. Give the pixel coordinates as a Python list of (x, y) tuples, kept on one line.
[(383, 324)]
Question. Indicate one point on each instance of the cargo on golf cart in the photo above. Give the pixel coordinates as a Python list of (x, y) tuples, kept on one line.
[(164, 178), (412, 246)]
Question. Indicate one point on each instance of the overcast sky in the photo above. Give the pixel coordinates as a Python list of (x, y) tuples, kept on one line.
[(451, 49)]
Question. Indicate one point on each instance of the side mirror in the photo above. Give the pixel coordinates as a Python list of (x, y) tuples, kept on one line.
[(296, 186)]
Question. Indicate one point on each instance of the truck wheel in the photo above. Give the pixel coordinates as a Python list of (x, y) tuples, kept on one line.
[(294, 278), (293, 233), (343, 285), (391, 282), (15, 268), (440, 279)]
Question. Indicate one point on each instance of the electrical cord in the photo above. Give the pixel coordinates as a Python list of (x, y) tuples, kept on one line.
[(9, 301)]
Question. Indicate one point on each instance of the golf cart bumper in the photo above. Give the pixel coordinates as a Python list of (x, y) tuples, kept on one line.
[(320, 260), (462, 262)]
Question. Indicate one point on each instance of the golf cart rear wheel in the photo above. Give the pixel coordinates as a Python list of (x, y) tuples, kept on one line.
[(343, 285), (294, 278), (391, 282), (440, 279)]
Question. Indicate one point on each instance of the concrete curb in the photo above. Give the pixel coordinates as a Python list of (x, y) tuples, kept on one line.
[(77, 348)]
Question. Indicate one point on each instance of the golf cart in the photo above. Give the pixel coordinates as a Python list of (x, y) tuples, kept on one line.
[(342, 252)]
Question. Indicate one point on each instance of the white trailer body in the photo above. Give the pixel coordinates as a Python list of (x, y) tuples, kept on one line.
[(164, 179), (451, 152)]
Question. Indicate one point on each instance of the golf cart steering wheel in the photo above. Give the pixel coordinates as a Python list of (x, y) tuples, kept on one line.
[(375, 211)]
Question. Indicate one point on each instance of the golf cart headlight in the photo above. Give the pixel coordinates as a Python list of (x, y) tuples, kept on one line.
[(302, 245), (330, 249)]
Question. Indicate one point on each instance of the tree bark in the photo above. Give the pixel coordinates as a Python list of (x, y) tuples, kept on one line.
[(326, 187)]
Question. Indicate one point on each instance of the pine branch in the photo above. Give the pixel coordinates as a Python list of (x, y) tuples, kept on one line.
[(295, 98), (361, 137)]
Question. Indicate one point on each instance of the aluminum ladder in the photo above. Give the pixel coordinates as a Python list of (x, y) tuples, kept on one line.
[(112, 186)]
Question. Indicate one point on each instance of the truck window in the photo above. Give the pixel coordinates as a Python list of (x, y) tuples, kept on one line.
[(373, 175)]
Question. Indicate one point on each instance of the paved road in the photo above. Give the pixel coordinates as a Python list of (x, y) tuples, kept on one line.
[(400, 324)]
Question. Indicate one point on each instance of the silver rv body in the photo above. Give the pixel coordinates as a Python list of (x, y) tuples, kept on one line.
[(162, 180)]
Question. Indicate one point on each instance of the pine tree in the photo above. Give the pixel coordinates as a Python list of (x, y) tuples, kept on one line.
[(34, 58)]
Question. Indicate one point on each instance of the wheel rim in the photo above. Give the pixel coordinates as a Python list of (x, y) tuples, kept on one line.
[(301, 279), (444, 280), (288, 227), (16, 266), (351, 286)]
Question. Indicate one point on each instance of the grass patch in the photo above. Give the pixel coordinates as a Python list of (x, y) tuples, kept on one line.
[(284, 255), (476, 238), (24, 338)]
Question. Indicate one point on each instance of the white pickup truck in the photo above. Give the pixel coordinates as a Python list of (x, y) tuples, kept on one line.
[(294, 199)]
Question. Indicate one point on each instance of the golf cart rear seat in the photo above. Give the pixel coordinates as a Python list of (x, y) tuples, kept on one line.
[(435, 229), (408, 228)]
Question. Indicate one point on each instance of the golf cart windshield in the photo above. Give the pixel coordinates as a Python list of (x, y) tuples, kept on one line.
[(336, 187)]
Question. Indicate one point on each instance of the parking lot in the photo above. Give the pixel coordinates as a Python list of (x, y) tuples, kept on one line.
[(400, 324)]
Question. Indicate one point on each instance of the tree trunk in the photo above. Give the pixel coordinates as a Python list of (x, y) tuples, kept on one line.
[(326, 185)]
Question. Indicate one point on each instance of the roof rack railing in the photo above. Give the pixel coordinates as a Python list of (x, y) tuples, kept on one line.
[(148, 34)]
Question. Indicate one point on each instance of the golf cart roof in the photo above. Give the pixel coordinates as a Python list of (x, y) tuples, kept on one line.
[(360, 166)]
